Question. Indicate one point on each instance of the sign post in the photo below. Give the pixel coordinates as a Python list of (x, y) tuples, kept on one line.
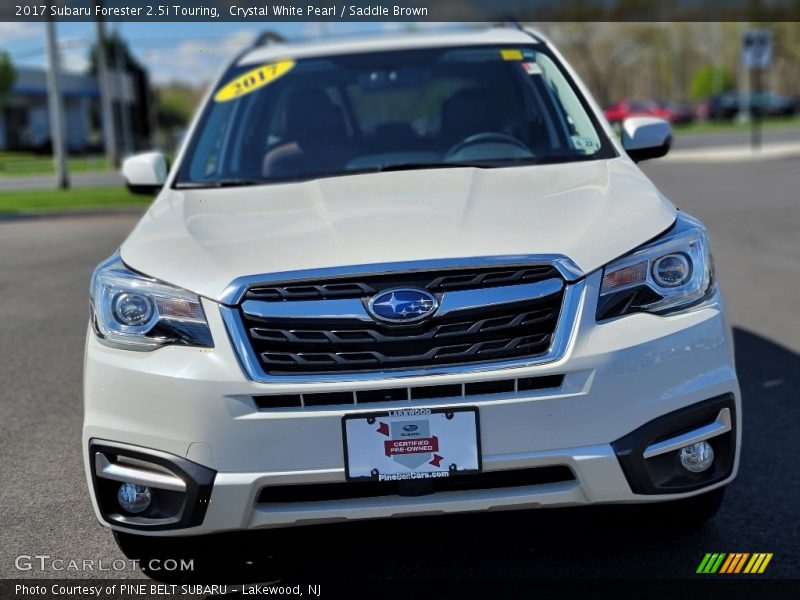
[(756, 56)]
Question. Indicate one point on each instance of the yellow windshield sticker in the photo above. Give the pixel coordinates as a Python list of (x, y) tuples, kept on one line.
[(511, 54), (253, 80)]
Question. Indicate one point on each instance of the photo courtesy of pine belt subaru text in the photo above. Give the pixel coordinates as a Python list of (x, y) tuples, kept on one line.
[(403, 275)]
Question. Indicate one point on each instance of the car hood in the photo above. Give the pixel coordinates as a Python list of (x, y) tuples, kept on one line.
[(590, 212)]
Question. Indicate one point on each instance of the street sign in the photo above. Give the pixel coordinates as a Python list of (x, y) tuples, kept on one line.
[(756, 48)]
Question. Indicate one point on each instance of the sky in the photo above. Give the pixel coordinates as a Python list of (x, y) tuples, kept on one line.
[(170, 51)]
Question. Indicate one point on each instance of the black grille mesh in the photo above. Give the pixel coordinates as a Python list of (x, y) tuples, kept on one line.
[(317, 346), (372, 284)]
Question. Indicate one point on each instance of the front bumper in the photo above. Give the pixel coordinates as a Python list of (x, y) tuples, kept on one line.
[(197, 404)]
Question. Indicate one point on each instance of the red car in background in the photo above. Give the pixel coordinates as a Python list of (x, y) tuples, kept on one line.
[(674, 112)]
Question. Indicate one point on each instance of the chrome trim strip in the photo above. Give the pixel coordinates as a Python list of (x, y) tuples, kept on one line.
[(487, 297), (235, 292), (564, 333), (127, 474), (339, 308), (722, 424), (353, 308)]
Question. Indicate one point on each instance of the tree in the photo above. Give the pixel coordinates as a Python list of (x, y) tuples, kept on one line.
[(118, 53), (176, 104), (600, 54), (119, 56), (710, 80), (7, 74)]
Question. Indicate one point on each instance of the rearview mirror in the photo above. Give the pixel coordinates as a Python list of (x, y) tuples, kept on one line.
[(145, 173), (646, 137)]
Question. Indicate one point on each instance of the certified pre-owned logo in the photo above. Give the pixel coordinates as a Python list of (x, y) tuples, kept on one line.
[(402, 305)]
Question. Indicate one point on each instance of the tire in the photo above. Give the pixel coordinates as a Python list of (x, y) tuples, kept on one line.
[(688, 513)]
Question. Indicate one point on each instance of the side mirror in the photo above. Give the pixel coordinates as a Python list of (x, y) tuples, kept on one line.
[(145, 173), (646, 137)]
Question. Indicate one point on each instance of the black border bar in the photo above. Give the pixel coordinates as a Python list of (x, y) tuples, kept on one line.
[(433, 11)]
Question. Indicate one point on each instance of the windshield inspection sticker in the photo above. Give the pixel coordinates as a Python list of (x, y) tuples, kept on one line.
[(531, 68), (587, 144), (511, 54), (253, 80)]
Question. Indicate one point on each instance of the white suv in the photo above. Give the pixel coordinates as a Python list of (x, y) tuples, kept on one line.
[(398, 276)]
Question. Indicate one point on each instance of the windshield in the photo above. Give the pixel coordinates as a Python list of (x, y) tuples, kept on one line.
[(470, 106)]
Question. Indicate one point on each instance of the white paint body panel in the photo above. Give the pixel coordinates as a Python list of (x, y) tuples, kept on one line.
[(618, 375), (639, 133), (147, 169), (590, 212)]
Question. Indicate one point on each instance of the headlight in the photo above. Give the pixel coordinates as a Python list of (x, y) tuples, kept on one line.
[(134, 312), (671, 273)]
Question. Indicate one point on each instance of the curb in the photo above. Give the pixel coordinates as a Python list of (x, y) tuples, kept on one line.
[(735, 154)]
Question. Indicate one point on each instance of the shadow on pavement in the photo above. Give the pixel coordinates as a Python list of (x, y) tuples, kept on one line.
[(595, 542)]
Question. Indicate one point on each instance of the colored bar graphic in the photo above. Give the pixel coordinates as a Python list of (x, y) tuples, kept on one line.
[(733, 563), (755, 560), (703, 563), (730, 564), (718, 563), (727, 564), (764, 564), (740, 564)]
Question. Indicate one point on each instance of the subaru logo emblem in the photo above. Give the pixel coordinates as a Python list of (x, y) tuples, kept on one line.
[(410, 428), (402, 305)]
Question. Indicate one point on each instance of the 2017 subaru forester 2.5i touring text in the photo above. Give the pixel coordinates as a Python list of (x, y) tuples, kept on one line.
[(398, 276)]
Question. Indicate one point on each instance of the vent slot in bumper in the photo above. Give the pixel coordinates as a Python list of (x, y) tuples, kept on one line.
[(403, 394), (321, 492)]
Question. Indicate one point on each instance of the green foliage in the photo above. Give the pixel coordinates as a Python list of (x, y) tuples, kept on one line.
[(710, 80), (176, 104), (26, 201), (27, 163), (7, 74), (117, 54)]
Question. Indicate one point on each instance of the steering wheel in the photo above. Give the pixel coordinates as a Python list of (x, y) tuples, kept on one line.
[(488, 137)]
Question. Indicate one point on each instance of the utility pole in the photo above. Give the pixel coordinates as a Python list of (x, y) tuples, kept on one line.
[(120, 74), (56, 109), (106, 105)]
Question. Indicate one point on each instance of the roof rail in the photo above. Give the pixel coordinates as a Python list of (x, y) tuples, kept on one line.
[(268, 37), (513, 23)]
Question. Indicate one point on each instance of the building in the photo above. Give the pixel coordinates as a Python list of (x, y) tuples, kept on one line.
[(25, 120)]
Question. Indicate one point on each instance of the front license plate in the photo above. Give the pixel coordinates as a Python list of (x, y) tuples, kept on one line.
[(416, 443)]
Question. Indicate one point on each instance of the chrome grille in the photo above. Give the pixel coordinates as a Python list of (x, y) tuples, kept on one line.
[(322, 327), (433, 282)]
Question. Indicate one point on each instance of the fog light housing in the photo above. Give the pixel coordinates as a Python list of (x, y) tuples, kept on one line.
[(134, 499), (697, 457)]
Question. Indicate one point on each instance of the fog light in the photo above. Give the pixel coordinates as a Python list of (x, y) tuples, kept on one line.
[(134, 498), (697, 457)]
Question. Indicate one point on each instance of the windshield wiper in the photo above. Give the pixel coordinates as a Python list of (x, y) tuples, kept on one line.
[(220, 183)]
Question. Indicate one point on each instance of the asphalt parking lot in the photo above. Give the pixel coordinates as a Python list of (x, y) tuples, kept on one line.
[(752, 210)]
